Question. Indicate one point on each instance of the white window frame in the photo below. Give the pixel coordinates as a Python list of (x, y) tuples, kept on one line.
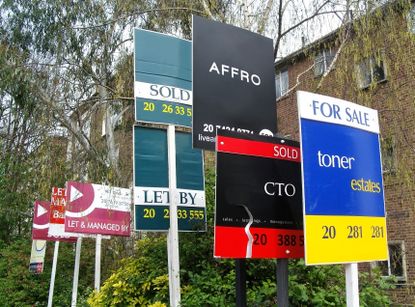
[(403, 277), (370, 63), (280, 87), (322, 61)]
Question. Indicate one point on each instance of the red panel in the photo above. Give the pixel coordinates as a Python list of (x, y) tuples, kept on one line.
[(258, 149), (231, 242), (57, 206)]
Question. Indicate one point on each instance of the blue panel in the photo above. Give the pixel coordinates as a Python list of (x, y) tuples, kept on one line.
[(342, 170)]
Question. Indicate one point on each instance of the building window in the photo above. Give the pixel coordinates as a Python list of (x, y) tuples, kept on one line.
[(281, 82), (388, 155), (396, 264), (323, 61), (411, 19), (371, 70)]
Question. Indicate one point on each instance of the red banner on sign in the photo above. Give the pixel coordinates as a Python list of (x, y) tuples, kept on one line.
[(241, 146)]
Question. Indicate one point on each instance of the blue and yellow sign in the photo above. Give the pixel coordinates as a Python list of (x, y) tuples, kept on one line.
[(162, 79), (344, 211)]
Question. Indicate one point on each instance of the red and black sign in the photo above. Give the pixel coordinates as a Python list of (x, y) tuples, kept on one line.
[(233, 82), (258, 197)]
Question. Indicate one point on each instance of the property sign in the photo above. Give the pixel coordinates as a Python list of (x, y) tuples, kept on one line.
[(37, 256), (40, 230), (162, 78), (151, 183), (97, 209), (344, 211), (57, 215), (41, 220), (258, 197), (233, 82)]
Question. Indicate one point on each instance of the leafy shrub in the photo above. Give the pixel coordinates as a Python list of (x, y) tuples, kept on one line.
[(142, 280)]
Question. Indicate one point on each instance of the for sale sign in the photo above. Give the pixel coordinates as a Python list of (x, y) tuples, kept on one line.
[(233, 82), (258, 197), (344, 211), (97, 209)]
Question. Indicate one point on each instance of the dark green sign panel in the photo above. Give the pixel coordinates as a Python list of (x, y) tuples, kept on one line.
[(162, 78), (151, 183)]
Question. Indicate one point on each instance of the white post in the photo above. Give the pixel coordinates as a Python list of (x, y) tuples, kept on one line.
[(52, 277), (174, 264), (98, 242), (169, 265), (352, 285), (76, 272)]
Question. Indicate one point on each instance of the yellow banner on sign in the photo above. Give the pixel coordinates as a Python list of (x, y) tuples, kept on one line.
[(344, 239)]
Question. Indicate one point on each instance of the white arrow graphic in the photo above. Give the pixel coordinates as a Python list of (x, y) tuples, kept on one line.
[(40, 211), (75, 194)]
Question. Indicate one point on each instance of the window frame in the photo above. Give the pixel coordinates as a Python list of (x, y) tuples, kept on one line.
[(389, 158), (325, 57), (366, 68), (402, 278), (278, 78)]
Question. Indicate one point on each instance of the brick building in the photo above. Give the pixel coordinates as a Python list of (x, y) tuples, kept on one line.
[(369, 62)]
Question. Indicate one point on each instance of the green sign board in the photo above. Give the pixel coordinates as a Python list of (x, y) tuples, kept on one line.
[(162, 79), (151, 183)]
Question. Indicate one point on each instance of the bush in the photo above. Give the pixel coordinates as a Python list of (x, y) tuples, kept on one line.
[(142, 280)]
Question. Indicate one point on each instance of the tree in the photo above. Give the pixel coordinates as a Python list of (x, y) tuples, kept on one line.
[(63, 62)]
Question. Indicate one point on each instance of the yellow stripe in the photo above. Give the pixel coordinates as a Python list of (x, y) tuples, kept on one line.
[(344, 239)]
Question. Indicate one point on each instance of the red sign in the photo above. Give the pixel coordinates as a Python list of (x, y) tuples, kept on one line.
[(40, 230), (57, 215), (40, 220), (97, 209), (57, 205), (258, 149), (258, 197)]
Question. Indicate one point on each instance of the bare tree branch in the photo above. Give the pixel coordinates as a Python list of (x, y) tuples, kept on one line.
[(113, 21), (265, 17)]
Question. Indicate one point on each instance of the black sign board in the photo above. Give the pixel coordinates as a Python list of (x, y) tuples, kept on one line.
[(258, 197), (233, 82)]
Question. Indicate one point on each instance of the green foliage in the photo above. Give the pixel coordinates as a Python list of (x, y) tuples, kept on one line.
[(19, 287), (142, 280), (372, 289)]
